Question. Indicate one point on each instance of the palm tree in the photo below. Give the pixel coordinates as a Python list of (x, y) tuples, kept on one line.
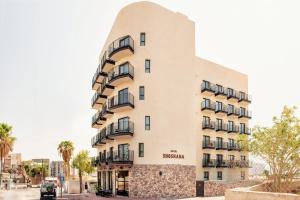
[(65, 150), (6, 144), (83, 163)]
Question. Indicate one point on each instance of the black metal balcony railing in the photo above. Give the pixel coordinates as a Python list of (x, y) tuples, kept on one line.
[(238, 163), (99, 138), (220, 91), (208, 125), (105, 60), (208, 163), (221, 127), (245, 130), (96, 76), (208, 105), (120, 44), (245, 97), (95, 98), (233, 111), (221, 145), (116, 129), (208, 144), (125, 69), (245, 114), (207, 86), (233, 147), (116, 157), (121, 100), (221, 109), (105, 85), (220, 163), (232, 94), (233, 129)]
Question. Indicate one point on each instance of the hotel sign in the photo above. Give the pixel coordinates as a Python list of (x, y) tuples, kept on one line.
[(173, 154)]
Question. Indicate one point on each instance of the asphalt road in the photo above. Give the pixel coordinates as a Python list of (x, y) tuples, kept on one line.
[(21, 194)]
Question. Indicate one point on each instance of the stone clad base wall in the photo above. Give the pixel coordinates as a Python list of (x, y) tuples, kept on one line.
[(217, 188), (162, 181)]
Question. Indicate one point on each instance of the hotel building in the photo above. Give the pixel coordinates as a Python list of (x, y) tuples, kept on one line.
[(167, 121)]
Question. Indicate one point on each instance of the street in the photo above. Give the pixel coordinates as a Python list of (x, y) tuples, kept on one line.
[(20, 194)]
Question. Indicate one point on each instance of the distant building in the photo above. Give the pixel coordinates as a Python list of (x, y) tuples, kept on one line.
[(56, 168), (45, 162), (12, 161)]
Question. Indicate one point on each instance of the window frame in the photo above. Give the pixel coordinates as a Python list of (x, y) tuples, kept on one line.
[(147, 125), (206, 175), (142, 39), (141, 150), (219, 175), (141, 92), (147, 66)]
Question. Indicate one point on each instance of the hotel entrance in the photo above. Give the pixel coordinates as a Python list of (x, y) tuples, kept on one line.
[(122, 183)]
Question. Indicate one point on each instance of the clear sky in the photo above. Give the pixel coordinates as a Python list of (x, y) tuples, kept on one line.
[(49, 52)]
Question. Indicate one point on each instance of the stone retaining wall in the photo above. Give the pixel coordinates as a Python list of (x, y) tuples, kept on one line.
[(217, 188), (162, 181)]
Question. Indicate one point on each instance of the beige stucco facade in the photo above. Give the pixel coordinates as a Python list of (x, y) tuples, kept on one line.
[(172, 99)]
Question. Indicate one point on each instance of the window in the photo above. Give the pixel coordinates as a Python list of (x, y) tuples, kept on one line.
[(220, 89), (231, 142), (230, 125), (124, 68), (206, 120), (206, 103), (206, 84), (243, 175), (124, 42), (230, 108), (242, 111), (242, 127), (219, 123), (230, 92), (206, 158), (147, 66), (142, 39), (123, 151), (219, 175), (218, 106), (147, 122), (231, 157), (142, 93), (206, 140), (243, 158), (123, 124), (141, 149), (123, 96), (206, 175), (242, 95), (219, 142)]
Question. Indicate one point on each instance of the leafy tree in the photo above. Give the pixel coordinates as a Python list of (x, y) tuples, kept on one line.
[(279, 146), (65, 150), (6, 144), (83, 163)]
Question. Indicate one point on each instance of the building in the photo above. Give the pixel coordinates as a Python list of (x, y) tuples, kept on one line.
[(12, 161), (44, 162), (167, 120), (56, 168)]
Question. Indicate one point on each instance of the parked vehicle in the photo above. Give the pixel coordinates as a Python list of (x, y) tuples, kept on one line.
[(48, 189)]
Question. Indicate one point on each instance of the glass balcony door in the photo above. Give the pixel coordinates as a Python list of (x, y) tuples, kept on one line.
[(123, 96), (123, 152)]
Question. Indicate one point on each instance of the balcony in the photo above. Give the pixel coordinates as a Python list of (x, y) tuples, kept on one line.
[(233, 147), (124, 129), (208, 145), (97, 100), (245, 130), (245, 114), (221, 163), (221, 127), (99, 139), (233, 111), (220, 91), (232, 94), (121, 74), (208, 125), (106, 89), (208, 163), (221, 109), (221, 145), (233, 129), (97, 120), (243, 97), (106, 63), (210, 106), (98, 78), (117, 157), (120, 103), (207, 88), (121, 48)]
